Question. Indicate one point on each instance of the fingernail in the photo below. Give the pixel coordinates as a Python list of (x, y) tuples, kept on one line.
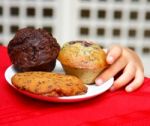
[(99, 81), (129, 89), (110, 59)]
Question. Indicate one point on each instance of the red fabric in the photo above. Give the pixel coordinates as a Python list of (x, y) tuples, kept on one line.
[(109, 109)]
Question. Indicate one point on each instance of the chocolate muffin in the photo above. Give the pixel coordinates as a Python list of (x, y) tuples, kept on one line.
[(33, 50), (84, 59)]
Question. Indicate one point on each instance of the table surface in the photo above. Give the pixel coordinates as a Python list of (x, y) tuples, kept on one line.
[(110, 108)]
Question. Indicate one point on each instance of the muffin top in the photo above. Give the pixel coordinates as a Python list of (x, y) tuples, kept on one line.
[(32, 47), (82, 54)]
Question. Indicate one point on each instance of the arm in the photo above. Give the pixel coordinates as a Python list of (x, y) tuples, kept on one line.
[(125, 60)]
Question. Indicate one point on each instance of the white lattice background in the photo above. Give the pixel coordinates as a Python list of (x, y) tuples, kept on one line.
[(126, 22)]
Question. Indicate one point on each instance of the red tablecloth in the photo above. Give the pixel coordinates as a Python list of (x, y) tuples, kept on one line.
[(111, 108)]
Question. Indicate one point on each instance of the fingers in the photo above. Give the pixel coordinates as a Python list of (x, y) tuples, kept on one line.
[(123, 59), (111, 71), (113, 53), (127, 75), (137, 82)]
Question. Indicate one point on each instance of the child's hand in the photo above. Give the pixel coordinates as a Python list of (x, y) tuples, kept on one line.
[(126, 61)]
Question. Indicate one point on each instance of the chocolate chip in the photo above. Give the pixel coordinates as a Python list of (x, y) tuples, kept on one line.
[(85, 43)]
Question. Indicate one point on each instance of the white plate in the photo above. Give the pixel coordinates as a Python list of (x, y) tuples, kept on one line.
[(93, 90)]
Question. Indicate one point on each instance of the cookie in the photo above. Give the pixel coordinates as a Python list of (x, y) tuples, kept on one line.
[(49, 84)]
